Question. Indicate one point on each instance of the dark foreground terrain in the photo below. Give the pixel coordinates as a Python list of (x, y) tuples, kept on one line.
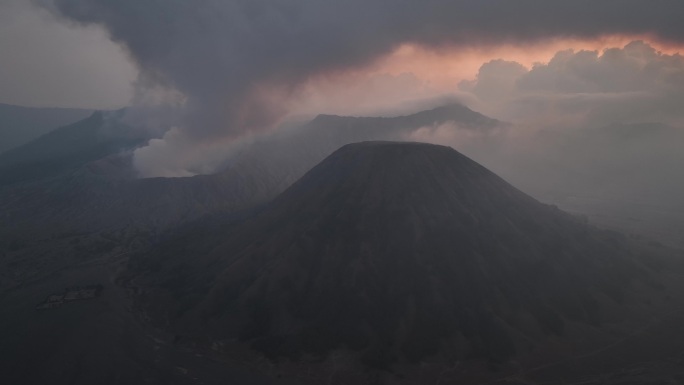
[(104, 342), (404, 263), (386, 264), (98, 341)]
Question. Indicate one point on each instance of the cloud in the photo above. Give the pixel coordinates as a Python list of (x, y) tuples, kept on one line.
[(46, 63), (496, 80), (176, 155), (239, 62), (637, 67), (606, 125), (635, 83)]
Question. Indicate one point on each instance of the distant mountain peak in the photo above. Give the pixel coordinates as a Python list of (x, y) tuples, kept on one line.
[(422, 173), (399, 251), (454, 112)]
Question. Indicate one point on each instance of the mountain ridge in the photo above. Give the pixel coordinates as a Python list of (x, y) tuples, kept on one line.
[(265, 168), (20, 125), (400, 252)]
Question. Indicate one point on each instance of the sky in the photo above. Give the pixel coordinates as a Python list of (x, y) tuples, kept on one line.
[(233, 68)]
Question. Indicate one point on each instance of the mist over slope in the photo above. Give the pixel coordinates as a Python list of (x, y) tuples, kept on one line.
[(81, 222), (19, 125), (64, 192), (620, 176), (396, 253), (69, 147), (90, 185), (203, 235)]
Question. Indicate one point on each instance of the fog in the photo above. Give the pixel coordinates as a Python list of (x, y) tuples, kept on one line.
[(612, 118), (592, 92), (238, 67), (595, 132), (49, 63)]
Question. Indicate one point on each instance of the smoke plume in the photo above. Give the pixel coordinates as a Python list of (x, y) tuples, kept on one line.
[(237, 63)]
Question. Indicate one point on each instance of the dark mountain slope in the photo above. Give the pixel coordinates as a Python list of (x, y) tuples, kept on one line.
[(68, 147), (461, 116), (624, 178), (397, 251), (69, 179), (19, 125), (76, 181)]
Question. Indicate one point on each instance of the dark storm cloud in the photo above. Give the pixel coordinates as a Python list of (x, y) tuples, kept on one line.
[(227, 56)]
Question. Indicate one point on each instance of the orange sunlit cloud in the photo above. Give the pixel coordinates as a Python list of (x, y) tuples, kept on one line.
[(449, 66), (412, 73)]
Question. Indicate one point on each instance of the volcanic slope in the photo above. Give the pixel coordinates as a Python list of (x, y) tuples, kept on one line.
[(20, 125), (70, 188), (397, 251), (80, 177)]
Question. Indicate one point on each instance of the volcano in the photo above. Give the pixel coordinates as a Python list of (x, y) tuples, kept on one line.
[(396, 251)]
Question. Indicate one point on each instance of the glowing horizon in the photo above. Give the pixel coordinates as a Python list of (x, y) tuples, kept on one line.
[(463, 63)]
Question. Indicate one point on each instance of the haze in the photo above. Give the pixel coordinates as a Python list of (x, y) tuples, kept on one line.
[(341, 191)]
